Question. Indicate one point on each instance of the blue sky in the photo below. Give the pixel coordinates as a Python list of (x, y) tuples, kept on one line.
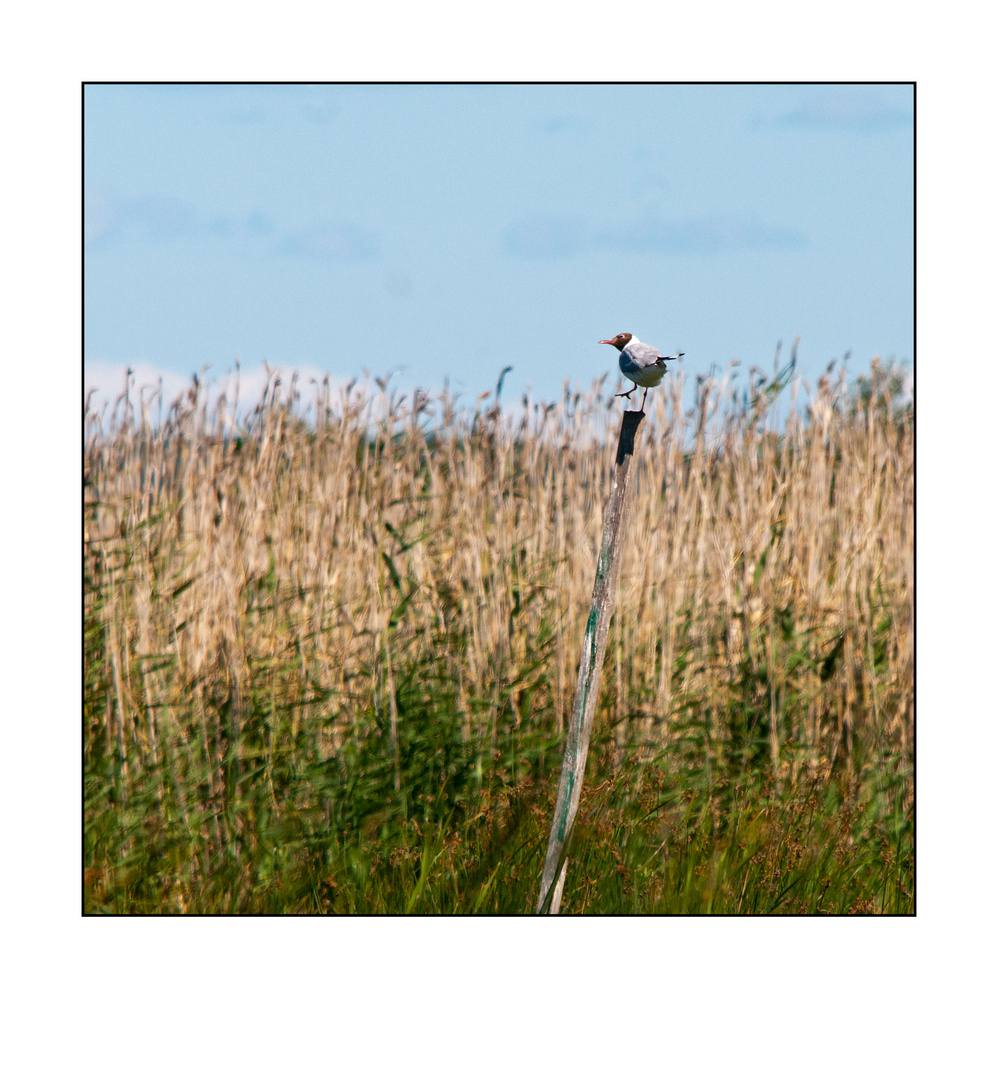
[(444, 232)]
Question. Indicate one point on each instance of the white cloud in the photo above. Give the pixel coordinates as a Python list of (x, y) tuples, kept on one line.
[(105, 382), (332, 242), (104, 386), (155, 390), (554, 237), (157, 218), (848, 108)]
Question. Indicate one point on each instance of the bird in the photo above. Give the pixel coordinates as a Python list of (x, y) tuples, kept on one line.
[(643, 364)]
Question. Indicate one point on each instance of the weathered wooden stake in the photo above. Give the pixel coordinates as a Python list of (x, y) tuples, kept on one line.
[(590, 669)]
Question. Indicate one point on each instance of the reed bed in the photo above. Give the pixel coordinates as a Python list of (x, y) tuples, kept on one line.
[(331, 642)]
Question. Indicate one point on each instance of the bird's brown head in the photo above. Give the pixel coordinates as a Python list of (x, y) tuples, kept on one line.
[(617, 342)]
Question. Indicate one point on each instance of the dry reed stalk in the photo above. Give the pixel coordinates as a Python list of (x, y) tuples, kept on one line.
[(285, 547)]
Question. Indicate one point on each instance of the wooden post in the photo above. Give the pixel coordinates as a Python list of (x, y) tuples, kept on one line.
[(590, 669)]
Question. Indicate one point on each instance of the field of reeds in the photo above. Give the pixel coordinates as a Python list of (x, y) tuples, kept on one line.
[(331, 641)]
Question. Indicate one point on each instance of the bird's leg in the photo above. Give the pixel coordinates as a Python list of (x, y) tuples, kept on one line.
[(629, 392), (642, 409)]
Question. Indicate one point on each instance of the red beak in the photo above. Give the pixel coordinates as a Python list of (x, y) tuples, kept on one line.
[(604, 342)]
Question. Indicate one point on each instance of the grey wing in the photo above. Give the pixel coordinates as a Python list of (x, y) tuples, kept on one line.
[(662, 359), (648, 356)]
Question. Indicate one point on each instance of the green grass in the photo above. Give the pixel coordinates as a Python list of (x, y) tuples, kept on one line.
[(268, 821)]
